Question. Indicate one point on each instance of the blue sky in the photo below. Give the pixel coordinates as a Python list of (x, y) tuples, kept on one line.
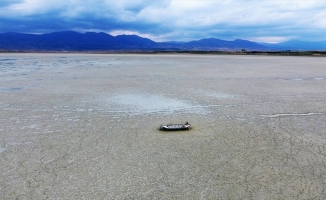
[(166, 20)]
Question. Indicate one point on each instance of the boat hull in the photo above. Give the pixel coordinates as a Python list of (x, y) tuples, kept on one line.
[(175, 127)]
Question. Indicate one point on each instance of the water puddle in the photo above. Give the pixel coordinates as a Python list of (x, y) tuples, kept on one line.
[(148, 103), (291, 114), (2, 149), (14, 89), (220, 95)]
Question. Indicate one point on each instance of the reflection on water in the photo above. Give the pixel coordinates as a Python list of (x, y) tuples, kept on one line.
[(150, 103)]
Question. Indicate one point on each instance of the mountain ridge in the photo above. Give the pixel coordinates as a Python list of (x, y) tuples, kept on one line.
[(92, 41)]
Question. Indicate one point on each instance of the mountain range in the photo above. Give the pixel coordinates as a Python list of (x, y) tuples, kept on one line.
[(90, 41)]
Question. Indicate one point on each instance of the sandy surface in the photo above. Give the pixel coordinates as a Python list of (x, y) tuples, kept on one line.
[(76, 126)]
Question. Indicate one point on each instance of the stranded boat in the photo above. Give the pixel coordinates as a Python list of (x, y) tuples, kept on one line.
[(175, 127)]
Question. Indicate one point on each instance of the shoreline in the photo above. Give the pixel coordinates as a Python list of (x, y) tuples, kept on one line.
[(264, 53)]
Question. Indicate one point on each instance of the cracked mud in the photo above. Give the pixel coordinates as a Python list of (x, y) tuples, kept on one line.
[(76, 126)]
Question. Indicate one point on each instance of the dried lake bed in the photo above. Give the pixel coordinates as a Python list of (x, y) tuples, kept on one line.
[(84, 126)]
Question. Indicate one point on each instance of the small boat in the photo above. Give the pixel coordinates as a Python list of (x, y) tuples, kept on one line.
[(175, 127)]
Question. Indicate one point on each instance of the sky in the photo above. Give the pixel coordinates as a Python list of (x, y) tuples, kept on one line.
[(270, 21)]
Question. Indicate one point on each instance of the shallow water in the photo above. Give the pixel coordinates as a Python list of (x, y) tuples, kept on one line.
[(86, 126)]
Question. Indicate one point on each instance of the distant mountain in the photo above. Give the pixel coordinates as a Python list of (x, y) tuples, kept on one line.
[(298, 45), (67, 40), (90, 41), (303, 45), (134, 41), (217, 44)]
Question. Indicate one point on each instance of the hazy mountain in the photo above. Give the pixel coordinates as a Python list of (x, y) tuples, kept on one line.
[(304, 45), (90, 41), (217, 44), (297, 45)]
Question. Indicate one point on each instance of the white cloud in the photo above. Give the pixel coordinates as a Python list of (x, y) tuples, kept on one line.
[(34, 7), (272, 39), (157, 38), (269, 19)]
